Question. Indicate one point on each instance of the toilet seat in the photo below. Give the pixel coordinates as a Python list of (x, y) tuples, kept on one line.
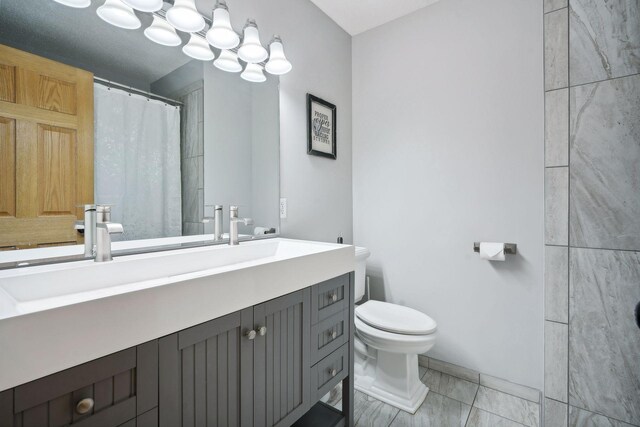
[(393, 342), (395, 319)]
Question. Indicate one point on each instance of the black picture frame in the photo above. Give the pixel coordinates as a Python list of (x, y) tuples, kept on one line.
[(315, 127)]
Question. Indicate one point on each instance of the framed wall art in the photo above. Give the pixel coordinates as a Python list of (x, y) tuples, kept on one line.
[(321, 127)]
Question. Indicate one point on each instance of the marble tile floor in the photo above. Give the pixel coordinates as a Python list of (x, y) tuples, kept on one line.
[(451, 402)]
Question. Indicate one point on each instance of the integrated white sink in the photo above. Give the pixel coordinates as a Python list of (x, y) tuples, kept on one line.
[(72, 313), (44, 287)]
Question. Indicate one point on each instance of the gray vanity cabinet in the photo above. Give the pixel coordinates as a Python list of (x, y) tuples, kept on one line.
[(264, 366), (202, 372), (281, 360), (249, 368), (119, 389)]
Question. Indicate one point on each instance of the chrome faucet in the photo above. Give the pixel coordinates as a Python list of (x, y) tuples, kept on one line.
[(217, 222), (104, 229), (233, 224), (88, 226)]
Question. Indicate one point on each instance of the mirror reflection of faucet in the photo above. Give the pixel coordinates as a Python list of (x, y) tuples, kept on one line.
[(217, 222), (233, 224), (104, 229), (88, 228)]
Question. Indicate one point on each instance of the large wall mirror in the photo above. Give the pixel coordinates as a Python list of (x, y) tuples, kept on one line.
[(92, 113)]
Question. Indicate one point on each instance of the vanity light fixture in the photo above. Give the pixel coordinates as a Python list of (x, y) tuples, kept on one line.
[(161, 32), (228, 61), (198, 48), (144, 5), (221, 34), (278, 63), (253, 73), (75, 3), (251, 51), (119, 14), (185, 17)]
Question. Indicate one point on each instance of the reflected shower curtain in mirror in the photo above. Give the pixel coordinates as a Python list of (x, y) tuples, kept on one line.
[(137, 163)]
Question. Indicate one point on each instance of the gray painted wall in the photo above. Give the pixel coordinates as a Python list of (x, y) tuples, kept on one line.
[(447, 124), (592, 84), (318, 190)]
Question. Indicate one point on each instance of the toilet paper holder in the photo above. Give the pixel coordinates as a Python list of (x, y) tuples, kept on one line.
[(509, 248)]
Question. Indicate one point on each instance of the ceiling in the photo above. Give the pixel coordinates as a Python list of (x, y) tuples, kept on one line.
[(357, 16)]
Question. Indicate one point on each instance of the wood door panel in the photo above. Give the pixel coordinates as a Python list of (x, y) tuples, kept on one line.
[(7, 83), (35, 232), (56, 170), (7, 167), (46, 109), (56, 95)]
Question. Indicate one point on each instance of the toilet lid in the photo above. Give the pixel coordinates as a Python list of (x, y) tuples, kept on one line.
[(395, 318)]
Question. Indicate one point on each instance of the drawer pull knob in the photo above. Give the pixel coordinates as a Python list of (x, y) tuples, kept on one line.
[(262, 331), (84, 406), (333, 297), (250, 334), (333, 334), (332, 372)]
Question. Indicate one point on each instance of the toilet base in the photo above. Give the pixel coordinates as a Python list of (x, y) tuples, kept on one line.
[(392, 378)]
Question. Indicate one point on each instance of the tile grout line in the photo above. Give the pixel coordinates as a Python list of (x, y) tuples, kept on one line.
[(472, 405), (604, 80), (568, 204), (485, 386)]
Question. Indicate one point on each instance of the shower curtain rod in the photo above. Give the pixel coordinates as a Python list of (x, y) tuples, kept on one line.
[(135, 91)]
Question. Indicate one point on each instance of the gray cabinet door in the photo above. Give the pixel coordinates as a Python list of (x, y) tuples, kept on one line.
[(281, 360), (110, 386), (202, 374)]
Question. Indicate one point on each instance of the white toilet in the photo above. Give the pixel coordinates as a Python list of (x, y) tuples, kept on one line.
[(389, 338)]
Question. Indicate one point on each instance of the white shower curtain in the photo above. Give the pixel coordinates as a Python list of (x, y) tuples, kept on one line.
[(137, 163)]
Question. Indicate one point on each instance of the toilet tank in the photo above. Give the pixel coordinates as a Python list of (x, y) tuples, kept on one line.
[(361, 272)]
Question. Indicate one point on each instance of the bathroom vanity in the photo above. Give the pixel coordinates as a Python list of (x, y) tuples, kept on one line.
[(248, 335)]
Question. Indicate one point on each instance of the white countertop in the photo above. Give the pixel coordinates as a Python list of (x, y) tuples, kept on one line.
[(51, 320)]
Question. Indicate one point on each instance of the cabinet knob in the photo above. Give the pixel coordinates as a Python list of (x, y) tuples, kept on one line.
[(262, 331), (250, 334), (333, 296), (84, 406), (332, 334), (332, 372)]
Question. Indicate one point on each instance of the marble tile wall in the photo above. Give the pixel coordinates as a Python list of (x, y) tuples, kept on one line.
[(605, 181), (192, 161), (604, 343), (605, 39), (592, 156)]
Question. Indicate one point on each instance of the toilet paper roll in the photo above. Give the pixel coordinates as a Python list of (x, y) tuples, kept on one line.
[(492, 251)]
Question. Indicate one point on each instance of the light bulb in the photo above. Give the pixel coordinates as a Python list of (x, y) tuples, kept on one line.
[(75, 3), (221, 34), (185, 17), (251, 50), (278, 63), (161, 32), (228, 61), (198, 48), (253, 73), (144, 5), (119, 14)]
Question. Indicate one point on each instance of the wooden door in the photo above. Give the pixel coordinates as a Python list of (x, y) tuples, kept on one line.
[(281, 360), (46, 150), (206, 374)]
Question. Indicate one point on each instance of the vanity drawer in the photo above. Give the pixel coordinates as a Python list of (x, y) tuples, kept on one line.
[(329, 298), (327, 373), (328, 335), (113, 389)]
